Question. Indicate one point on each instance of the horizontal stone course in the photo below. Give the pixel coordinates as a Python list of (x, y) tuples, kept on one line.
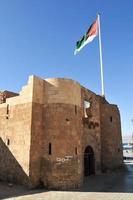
[(45, 130)]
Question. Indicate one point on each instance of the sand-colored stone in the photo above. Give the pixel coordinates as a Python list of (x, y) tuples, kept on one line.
[(48, 113)]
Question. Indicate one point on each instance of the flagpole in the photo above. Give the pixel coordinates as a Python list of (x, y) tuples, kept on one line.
[(101, 59)]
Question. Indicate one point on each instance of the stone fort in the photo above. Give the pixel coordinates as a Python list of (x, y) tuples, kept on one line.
[(55, 132)]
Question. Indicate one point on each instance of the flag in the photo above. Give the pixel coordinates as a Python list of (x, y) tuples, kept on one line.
[(88, 37)]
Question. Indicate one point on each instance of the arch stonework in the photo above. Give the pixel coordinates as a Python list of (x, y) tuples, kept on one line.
[(89, 161), (53, 128)]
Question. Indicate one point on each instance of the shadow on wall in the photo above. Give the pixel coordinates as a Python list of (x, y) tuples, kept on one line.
[(11, 172), (10, 169), (119, 181)]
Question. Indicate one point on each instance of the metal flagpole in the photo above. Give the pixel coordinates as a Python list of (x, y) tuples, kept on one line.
[(101, 59)]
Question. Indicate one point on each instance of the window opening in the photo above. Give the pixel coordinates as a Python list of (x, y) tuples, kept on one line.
[(7, 111), (111, 119), (86, 106), (75, 110), (8, 142), (76, 150), (50, 149)]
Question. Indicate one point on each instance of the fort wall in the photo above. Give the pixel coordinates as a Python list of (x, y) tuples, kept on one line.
[(111, 139), (57, 116), (46, 130), (15, 136)]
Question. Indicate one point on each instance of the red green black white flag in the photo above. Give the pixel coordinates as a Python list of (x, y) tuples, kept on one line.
[(88, 37)]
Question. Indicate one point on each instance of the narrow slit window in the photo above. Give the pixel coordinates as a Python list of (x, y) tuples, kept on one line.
[(111, 119), (75, 110), (8, 142), (76, 151), (7, 111), (50, 149)]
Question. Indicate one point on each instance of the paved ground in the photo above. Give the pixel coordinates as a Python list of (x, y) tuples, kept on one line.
[(113, 186)]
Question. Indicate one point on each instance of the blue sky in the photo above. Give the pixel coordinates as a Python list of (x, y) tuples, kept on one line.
[(38, 37)]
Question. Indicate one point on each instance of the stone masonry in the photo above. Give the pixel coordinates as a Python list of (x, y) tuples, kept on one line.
[(55, 132)]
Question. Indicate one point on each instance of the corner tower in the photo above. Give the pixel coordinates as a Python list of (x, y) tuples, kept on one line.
[(56, 133)]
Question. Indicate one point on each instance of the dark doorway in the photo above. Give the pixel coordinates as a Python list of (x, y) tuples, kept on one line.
[(89, 161)]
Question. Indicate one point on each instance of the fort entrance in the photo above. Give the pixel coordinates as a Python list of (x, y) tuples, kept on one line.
[(89, 161), (39, 114)]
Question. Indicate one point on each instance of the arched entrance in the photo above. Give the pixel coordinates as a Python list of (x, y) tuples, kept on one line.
[(89, 161)]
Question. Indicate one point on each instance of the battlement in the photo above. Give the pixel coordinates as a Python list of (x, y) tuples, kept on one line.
[(55, 132)]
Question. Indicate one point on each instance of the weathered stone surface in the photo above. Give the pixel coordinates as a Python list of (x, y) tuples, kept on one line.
[(44, 132)]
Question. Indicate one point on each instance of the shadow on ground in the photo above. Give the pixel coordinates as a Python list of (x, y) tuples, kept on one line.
[(120, 181)]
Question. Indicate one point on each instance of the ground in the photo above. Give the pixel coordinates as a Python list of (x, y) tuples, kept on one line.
[(112, 186)]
